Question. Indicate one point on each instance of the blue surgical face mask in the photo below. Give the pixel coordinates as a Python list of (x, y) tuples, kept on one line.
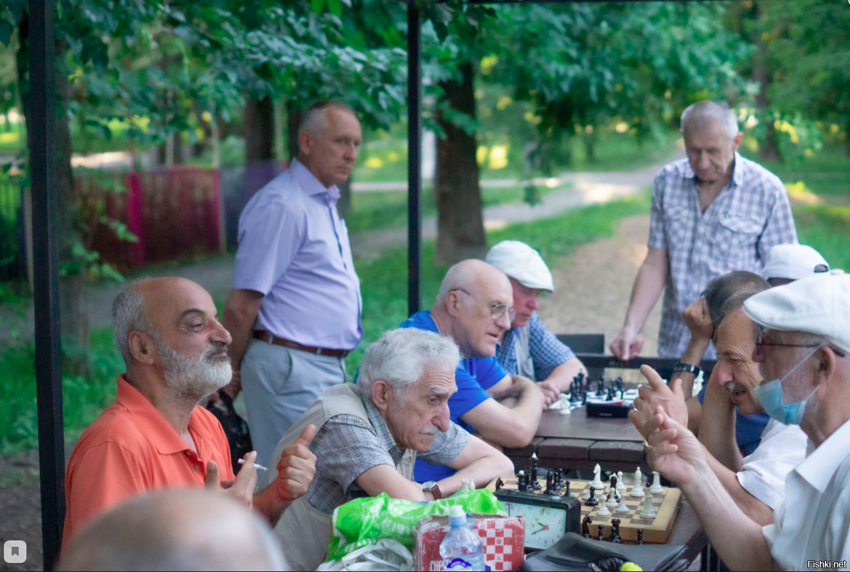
[(773, 400)]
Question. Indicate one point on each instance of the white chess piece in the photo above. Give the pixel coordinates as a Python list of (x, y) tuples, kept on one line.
[(622, 507), (612, 498), (656, 487), (637, 490), (602, 509), (565, 405), (597, 481), (648, 510), (621, 486)]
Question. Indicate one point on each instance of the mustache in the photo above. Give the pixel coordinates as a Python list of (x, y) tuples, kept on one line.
[(432, 430), (215, 347)]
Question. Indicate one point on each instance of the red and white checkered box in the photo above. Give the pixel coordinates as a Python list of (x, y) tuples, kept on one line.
[(503, 539)]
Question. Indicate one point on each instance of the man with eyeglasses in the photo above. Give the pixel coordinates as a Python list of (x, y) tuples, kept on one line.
[(804, 350), (474, 308), (529, 348)]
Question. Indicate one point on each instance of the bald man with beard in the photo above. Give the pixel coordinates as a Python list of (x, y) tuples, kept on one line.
[(155, 436)]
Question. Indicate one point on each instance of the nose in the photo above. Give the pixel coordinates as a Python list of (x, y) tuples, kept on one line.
[(533, 303), (443, 419), (504, 321), (351, 152), (724, 375), (220, 334)]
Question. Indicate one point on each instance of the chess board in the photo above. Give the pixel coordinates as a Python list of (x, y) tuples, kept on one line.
[(655, 531)]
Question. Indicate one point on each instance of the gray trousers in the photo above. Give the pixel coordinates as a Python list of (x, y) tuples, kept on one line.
[(278, 385)]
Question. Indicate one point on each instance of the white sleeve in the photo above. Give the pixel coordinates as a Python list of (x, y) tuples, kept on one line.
[(763, 473)]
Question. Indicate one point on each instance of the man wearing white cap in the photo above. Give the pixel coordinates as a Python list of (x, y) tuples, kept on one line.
[(804, 349), (529, 348), (789, 262)]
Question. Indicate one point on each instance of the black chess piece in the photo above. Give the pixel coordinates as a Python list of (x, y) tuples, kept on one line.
[(591, 500), (599, 533), (615, 531), (532, 479), (612, 480), (549, 484), (566, 489), (585, 526), (640, 536), (499, 483), (584, 398), (610, 395), (600, 385)]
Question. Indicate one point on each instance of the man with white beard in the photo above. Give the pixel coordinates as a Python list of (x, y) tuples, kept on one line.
[(155, 436)]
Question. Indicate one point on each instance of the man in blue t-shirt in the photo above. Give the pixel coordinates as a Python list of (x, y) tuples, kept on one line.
[(473, 308)]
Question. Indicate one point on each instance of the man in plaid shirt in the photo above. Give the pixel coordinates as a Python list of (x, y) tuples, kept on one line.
[(529, 348), (712, 213)]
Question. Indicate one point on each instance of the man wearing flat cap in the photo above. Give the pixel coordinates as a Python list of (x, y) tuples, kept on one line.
[(789, 262), (803, 347), (529, 349)]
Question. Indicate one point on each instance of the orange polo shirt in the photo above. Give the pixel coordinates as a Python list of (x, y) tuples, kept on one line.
[(130, 448)]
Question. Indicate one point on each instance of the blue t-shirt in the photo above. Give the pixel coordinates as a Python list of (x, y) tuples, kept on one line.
[(748, 428), (473, 377)]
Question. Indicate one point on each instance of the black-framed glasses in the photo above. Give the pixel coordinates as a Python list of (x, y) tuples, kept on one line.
[(496, 310), (764, 341)]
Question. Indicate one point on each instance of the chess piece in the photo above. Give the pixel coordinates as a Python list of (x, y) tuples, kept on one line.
[(565, 404), (566, 488), (535, 484), (612, 498), (499, 483), (600, 386), (656, 487), (621, 485), (603, 507), (591, 498), (549, 484), (613, 480), (597, 481), (615, 531), (637, 491), (584, 398), (640, 536), (622, 508), (648, 511), (599, 533), (610, 395), (585, 526)]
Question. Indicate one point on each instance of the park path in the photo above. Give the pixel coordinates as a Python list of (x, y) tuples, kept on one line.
[(216, 273)]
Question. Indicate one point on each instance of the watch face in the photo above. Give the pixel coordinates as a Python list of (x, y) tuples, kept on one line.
[(544, 526)]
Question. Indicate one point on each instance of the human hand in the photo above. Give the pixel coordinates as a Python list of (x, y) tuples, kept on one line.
[(242, 489), (698, 320), (518, 385), (674, 451), (296, 467), (551, 391), (627, 344), (658, 394)]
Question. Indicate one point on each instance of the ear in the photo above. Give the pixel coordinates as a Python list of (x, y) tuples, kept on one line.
[(452, 302), (736, 141), (141, 347), (826, 364), (381, 394), (305, 142)]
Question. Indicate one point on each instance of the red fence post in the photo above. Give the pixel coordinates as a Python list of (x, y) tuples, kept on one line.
[(134, 219)]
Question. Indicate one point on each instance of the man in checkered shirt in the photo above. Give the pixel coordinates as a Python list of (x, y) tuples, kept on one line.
[(370, 434), (712, 213), (529, 349)]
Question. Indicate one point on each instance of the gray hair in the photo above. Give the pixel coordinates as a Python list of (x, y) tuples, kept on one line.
[(720, 289), (129, 313), (702, 114), (400, 357), (314, 121)]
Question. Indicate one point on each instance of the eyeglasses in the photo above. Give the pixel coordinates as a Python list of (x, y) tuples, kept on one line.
[(496, 310), (763, 341)]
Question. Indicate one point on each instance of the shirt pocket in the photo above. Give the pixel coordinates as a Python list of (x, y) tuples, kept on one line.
[(677, 221), (734, 244)]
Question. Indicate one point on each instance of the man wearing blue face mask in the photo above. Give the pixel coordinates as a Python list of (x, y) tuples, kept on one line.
[(804, 350)]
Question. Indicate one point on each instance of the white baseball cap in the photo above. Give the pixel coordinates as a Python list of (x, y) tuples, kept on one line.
[(819, 304), (793, 261), (522, 263)]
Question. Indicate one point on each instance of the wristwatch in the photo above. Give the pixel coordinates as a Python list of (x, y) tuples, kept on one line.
[(687, 368), (433, 488)]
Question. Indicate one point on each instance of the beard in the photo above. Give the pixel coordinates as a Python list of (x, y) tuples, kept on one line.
[(195, 378)]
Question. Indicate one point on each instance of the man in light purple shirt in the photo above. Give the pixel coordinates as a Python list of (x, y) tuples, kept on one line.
[(294, 311)]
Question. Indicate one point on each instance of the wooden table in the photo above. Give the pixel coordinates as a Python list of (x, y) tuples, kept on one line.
[(578, 442)]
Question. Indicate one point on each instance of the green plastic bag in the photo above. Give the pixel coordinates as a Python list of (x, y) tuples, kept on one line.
[(362, 522)]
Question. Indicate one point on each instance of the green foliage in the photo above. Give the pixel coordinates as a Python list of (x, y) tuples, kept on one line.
[(825, 228)]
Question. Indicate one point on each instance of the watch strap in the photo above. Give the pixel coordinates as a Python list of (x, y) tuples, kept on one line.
[(687, 368)]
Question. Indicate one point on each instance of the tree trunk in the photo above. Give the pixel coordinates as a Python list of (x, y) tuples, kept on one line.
[(769, 148), (460, 226), (259, 130), (73, 309)]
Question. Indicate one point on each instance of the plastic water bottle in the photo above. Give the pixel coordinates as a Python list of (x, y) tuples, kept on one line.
[(461, 548)]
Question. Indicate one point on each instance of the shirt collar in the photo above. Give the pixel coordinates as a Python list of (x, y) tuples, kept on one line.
[(309, 182), (384, 435), (151, 422), (819, 467), (737, 171)]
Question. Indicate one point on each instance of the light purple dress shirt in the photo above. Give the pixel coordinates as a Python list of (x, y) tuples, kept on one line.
[(294, 249)]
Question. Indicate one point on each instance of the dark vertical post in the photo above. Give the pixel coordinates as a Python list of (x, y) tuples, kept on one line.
[(414, 159), (41, 125)]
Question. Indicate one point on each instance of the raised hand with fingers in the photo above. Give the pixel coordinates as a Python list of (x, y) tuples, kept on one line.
[(698, 319), (296, 467), (627, 344), (242, 489), (674, 451), (657, 393)]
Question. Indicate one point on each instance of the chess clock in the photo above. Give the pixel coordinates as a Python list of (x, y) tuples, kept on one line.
[(547, 517)]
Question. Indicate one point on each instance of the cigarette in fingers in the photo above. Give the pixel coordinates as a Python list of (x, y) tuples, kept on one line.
[(256, 465)]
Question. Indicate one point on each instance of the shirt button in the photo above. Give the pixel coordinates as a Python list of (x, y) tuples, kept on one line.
[(197, 467)]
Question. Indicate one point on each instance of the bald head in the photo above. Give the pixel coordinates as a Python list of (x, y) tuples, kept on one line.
[(471, 275), (178, 529), (705, 116)]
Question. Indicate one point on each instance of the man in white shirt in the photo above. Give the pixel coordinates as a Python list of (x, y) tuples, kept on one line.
[(804, 349)]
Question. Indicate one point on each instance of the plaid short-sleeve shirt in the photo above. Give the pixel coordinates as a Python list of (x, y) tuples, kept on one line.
[(545, 350), (749, 216), (347, 446)]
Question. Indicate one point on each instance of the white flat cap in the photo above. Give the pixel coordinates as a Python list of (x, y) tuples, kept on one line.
[(793, 261), (819, 304), (522, 263)]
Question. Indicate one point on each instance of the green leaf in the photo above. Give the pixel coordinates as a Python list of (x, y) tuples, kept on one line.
[(335, 7), (317, 6)]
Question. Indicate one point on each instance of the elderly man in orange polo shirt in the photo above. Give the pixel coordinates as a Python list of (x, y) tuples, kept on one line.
[(155, 436)]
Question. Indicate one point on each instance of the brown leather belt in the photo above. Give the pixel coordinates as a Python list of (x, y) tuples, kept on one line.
[(270, 338)]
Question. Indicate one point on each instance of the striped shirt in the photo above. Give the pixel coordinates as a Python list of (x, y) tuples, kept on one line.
[(737, 230), (544, 349)]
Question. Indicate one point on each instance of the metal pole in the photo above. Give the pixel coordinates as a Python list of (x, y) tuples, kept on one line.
[(414, 159), (41, 125)]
